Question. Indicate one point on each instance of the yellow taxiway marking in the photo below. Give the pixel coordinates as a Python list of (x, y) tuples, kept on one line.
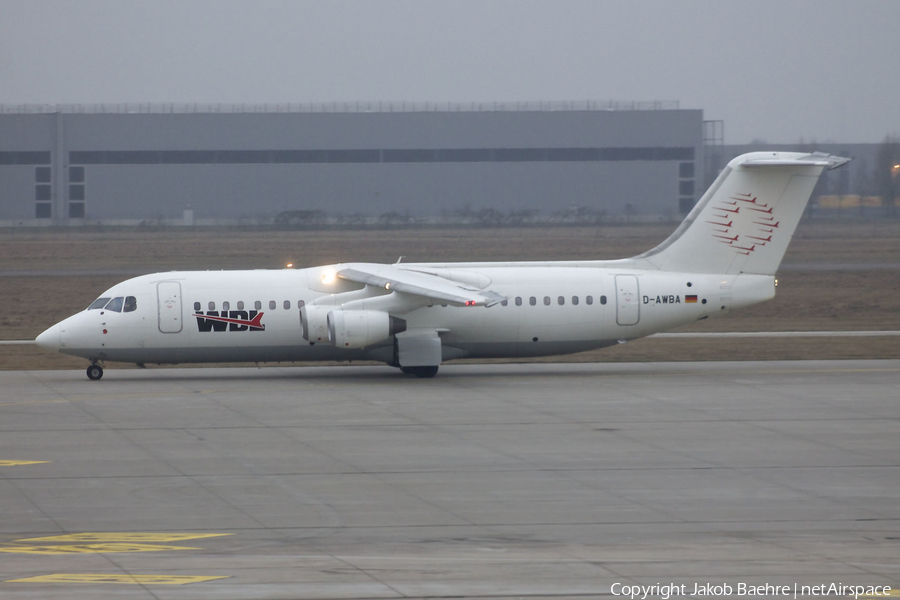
[(91, 548), (114, 578), (34, 402), (123, 536), (15, 463)]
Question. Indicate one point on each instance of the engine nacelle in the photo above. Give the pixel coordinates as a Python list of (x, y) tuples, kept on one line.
[(361, 328), (314, 320)]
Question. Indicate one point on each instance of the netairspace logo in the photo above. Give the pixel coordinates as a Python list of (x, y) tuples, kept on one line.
[(670, 590)]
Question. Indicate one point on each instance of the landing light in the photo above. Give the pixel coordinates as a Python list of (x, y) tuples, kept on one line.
[(289, 265), (776, 283), (328, 278)]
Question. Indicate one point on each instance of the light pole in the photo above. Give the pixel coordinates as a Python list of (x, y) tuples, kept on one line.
[(895, 170)]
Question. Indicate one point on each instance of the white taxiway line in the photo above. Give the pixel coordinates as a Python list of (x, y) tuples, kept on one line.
[(760, 334)]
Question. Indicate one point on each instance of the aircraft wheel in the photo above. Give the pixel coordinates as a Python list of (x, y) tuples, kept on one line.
[(423, 372), (94, 372)]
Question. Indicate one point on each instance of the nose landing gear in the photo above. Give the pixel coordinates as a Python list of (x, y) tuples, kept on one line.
[(94, 372)]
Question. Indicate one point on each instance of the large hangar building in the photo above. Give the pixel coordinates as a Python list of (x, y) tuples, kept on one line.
[(130, 163)]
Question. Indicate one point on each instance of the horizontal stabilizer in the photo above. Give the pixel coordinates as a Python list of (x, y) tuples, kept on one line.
[(816, 159)]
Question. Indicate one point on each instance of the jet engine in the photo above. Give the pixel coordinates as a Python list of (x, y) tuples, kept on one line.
[(314, 320), (361, 328)]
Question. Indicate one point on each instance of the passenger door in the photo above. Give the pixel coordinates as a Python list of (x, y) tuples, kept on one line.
[(169, 295), (628, 304)]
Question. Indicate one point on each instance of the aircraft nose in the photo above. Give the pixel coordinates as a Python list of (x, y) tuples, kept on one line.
[(50, 339)]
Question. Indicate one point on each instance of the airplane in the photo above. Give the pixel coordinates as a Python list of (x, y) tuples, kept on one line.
[(416, 315)]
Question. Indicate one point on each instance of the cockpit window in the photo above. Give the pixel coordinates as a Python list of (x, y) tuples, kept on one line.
[(115, 305), (98, 303), (130, 304)]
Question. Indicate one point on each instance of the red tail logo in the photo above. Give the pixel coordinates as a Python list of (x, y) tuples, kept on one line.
[(727, 219)]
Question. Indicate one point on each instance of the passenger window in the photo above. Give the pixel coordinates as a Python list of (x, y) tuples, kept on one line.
[(561, 300), (574, 300), (287, 304), (301, 304), (602, 299), (240, 305), (589, 299), (130, 304), (504, 303), (115, 305), (546, 300), (271, 305), (257, 305), (518, 301), (226, 305), (98, 303), (532, 301), (196, 307), (212, 306)]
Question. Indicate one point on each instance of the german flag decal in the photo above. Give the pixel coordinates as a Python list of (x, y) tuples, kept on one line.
[(690, 299)]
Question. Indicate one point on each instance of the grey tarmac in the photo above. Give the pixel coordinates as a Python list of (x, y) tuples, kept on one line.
[(489, 481)]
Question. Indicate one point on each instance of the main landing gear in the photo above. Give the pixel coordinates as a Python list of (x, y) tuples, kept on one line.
[(94, 372), (423, 372)]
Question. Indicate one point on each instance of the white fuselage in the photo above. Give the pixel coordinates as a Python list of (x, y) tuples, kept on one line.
[(576, 306)]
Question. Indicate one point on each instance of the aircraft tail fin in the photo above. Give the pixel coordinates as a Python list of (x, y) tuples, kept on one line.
[(746, 219)]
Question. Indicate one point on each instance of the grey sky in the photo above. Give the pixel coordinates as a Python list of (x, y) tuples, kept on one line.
[(773, 70)]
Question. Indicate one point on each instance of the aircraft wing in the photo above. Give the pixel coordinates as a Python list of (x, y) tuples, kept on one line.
[(425, 285)]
